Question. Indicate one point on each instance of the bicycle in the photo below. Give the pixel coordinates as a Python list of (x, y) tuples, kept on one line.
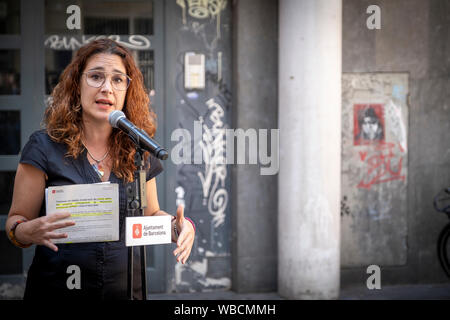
[(442, 204)]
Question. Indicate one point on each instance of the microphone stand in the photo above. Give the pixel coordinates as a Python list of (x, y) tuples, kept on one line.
[(136, 202)]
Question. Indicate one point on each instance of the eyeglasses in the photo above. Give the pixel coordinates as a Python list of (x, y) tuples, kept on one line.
[(96, 79)]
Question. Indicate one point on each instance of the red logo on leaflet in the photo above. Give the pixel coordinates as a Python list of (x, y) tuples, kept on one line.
[(53, 191), (137, 231)]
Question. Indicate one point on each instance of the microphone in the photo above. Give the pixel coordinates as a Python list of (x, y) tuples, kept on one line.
[(118, 120)]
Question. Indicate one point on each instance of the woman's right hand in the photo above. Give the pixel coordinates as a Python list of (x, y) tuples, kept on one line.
[(41, 230)]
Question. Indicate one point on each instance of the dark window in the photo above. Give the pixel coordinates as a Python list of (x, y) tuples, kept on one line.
[(146, 64), (55, 63), (10, 257), (143, 26), (10, 71), (106, 25), (9, 132), (6, 190), (9, 17)]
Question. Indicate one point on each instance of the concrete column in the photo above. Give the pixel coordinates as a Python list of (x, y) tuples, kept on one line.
[(310, 148)]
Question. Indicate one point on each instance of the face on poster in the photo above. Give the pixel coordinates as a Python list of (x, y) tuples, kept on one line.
[(368, 124)]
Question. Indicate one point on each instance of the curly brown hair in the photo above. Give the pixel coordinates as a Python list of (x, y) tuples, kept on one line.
[(63, 120)]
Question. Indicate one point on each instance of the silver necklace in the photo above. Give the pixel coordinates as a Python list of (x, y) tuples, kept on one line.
[(97, 166), (98, 161)]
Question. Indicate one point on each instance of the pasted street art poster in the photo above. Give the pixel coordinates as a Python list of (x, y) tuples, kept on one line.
[(368, 124), (374, 168)]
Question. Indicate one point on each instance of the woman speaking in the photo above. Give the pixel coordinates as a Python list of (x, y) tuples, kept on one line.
[(79, 146)]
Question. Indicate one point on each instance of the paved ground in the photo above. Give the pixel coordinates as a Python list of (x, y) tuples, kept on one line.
[(401, 292)]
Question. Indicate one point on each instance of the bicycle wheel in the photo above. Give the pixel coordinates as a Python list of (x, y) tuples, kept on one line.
[(444, 249)]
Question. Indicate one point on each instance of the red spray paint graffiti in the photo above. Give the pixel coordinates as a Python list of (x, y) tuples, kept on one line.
[(383, 165)]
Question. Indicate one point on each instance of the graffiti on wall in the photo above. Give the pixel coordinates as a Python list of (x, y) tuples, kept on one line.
[(203, 9), (374, 168), (383, 164), (61, 42), (345, 209), (213, 145)]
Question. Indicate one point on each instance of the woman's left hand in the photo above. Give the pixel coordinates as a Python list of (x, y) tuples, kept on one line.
[(186, 236)]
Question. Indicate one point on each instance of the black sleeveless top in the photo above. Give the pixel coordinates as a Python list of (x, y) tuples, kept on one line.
[(102, 265)]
